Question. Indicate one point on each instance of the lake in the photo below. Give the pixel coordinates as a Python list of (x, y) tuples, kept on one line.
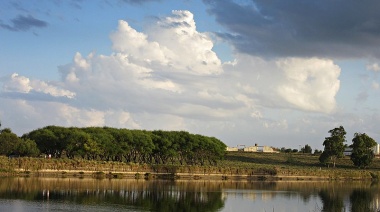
[(74, 194)]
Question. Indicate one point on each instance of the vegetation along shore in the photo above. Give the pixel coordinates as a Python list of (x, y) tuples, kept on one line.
[(105, 152)]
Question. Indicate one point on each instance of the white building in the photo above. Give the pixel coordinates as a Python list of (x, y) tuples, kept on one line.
[(255, 148), (376, 149), (258, 149), (347, 151), (232, 149)]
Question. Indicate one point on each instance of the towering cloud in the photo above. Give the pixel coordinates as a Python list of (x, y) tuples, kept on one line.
[(168, 77)]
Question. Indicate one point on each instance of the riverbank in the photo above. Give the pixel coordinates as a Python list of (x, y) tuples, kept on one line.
[(235, 166)]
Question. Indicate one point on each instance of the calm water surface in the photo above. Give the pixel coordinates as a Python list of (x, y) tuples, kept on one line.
[(74, 194)]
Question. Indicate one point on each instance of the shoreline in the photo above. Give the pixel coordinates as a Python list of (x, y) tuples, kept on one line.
[(235, 166), (174, 176)]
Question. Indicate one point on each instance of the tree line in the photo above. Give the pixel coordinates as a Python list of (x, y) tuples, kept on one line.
[(112, 144), (305, 149), (11, 144), (362, 153)]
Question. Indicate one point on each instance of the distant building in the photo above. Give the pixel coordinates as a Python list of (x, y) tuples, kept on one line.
[(347, 151), (255, 148), (251, 149), (232, 149), (258, 149), (376, 149)]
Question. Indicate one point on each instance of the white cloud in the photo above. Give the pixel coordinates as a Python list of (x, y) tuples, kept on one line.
[(21, 84), (310, 84), (168, 77), (135, 44), (373, 67), (17, 83), (186, 49), (302, 84), (44, 87)]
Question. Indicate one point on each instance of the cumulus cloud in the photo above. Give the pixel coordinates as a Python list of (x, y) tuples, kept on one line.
[(168, 77), (22, 84), (178, 46), (24, 23), (303, 84), (295, 28), (23, 116), (18, 84), (310, 84)]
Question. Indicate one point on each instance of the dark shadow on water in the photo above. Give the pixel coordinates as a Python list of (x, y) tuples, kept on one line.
[(196, 195)]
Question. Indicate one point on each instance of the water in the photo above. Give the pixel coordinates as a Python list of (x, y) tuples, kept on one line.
[(91, 195)]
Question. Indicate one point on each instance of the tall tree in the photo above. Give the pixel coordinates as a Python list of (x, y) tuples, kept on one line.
[(306, 149), (362, 153), (27, 147), (8, 142), (334, 146)]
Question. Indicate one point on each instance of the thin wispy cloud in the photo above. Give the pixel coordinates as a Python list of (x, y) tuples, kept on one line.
[(24, 23)]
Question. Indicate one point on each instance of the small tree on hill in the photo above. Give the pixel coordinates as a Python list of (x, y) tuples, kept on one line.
[(362, 153), (334, 146), (306, 149)]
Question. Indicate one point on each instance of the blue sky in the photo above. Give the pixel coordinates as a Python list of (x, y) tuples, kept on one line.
[(278, 73)]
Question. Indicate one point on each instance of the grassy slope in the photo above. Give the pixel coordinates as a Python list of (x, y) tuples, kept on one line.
[(300, 165), (282, 165)]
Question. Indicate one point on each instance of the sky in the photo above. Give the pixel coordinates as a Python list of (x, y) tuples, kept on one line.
[(275, 73)]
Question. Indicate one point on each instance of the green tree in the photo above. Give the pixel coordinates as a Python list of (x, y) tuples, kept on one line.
[(362, 153), (324, 158), (27, 147), (306, 149), (142, 146), (334, 146), (122, 138), (46, 141), (163, 146), (8, 142), (11, 144), (92, 149), (217, 150), (75, 143), (62, 135)]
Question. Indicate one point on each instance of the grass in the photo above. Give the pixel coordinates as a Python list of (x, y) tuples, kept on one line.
[(298, 164), (302, 166)]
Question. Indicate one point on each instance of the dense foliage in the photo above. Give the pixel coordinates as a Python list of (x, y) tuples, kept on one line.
[(12, 145), (138, 146), (362, 153), (334, 146), (307, 149)]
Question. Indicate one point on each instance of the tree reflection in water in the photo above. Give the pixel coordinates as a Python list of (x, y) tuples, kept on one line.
[(193, 195), (331, 201), (363, 200), (143, 195)]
